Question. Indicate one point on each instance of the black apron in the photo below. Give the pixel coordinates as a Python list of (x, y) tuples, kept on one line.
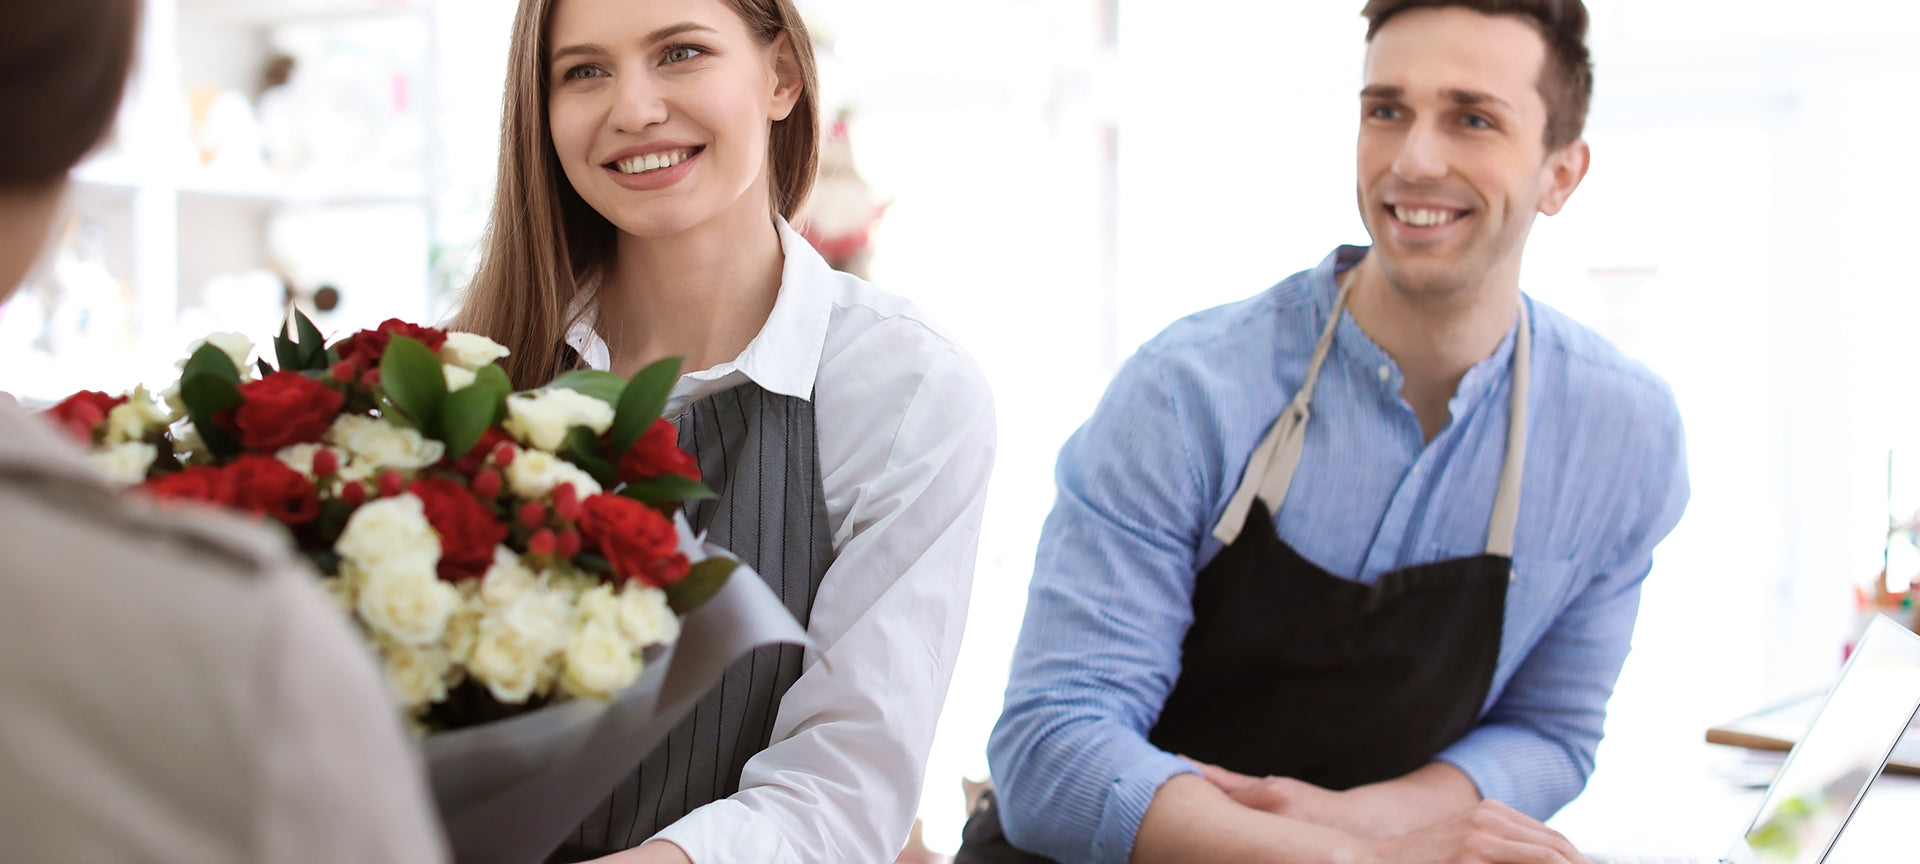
[(1289, 670)]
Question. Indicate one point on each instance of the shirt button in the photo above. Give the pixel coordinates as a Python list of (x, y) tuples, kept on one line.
[(1513, 575), (1385, 373)]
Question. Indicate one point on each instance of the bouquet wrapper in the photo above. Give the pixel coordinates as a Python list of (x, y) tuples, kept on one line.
[(509, 792)]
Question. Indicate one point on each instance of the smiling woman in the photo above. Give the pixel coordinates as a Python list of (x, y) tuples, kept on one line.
[(652, 152)]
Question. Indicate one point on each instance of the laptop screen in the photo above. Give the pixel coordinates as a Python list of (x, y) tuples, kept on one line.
[(1845, 748)]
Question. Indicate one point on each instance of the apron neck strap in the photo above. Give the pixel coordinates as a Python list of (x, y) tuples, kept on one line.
[(1271, 468)]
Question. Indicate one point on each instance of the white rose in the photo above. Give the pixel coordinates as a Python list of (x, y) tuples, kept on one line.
[(136, 418), (543, 417), (470, 350), (187, 441), (598, 661), (507, 580), (645, 618), (535, 473), (380, 444), (457, 377), (176, 407), (408, 604), (417, 676), (390, 531), (124, 464), (541, 618), (597, 603), (511, 669), (236, 346), (463, 630)]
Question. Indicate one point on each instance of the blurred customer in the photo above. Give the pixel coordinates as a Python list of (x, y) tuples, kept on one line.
[(1382, 617), (173, 687)]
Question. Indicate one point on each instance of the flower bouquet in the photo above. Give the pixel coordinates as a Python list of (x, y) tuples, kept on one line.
[(517, 560)]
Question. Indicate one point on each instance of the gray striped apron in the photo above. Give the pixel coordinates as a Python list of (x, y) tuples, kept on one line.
[(757, 449)]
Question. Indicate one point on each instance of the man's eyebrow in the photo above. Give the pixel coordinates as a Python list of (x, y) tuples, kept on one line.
[(660, 35), (1381, 91), (1475, 97)]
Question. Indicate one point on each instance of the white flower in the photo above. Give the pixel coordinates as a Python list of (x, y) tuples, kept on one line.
[(418, 676), (136, 418), (644, 616), (299, 457), (470, 350), (125, 464), (517, 650), (507, 580), (535, 473), (176, 407), (542, 418), (236, 346), (390, 531), (187, 440), (458, 377), (406, 603), (463, 628), (381, 445), (599, 661)]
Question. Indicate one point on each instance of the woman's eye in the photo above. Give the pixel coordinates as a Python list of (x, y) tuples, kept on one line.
[(583, 71), (682, 53)]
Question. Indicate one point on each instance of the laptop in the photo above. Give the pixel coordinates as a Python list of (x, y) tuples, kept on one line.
[(1826, 775)]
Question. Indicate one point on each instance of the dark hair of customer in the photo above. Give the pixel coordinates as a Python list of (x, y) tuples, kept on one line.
[(1566, 82), (63, 66)]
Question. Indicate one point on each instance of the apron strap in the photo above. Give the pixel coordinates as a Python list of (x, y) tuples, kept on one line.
[(1506, 502), (1271, 468)]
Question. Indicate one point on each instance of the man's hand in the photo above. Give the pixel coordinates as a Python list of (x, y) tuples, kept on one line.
[(1390, 808), (1488, 833)]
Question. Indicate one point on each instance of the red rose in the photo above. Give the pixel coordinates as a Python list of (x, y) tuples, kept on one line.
[(284, 409), (468, 529), (265, 486), (80, 414), (656, 453), (638, 541), (364, 349), (203, 483), (476, 458)]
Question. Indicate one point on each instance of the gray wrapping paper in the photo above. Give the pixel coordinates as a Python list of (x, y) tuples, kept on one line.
[(510, 792)]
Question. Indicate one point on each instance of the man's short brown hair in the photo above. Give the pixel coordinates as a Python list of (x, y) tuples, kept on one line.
[(63, 67), (1566, 79)]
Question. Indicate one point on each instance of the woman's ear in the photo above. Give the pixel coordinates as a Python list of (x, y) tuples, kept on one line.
[(787, 82)]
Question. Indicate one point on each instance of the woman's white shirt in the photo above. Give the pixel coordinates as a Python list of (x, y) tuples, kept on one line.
[(905, 426)]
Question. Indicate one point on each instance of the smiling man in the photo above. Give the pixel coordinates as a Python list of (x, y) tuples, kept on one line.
[(1346, 571)]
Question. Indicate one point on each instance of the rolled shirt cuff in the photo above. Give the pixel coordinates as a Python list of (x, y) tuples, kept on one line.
[(727, 832)]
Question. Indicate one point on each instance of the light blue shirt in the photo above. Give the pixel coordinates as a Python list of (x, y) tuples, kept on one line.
[(1143, 482)]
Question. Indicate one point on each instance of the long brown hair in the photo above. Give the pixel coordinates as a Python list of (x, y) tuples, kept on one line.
[(1566, 79), (543, 239), (63, 66)]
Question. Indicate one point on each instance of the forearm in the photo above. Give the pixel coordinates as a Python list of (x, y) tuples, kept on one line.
[(652, 852), (1418, 800), (1192, 821)]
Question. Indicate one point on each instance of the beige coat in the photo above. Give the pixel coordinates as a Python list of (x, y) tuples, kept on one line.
[(175, 688)]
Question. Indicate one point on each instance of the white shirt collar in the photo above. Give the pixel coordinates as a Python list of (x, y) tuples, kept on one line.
[(783, 357)]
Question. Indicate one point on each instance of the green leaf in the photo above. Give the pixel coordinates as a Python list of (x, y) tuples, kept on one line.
[(702, 582), (210, 360), (641, 403), (261, 364), (313, 346), (667, 489), (591, 563), (604, 386), (205, 395), (469, 411), (286, 352), (583, 449), (410, 373)]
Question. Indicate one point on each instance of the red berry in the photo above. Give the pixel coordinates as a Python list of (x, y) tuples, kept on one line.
[(370, 378), (391, 484), (566, 502), (354, 493), (533, 514), (341, 372), (325, 463), (503, 455), (569, 543), (486, 484), (542, 542)]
